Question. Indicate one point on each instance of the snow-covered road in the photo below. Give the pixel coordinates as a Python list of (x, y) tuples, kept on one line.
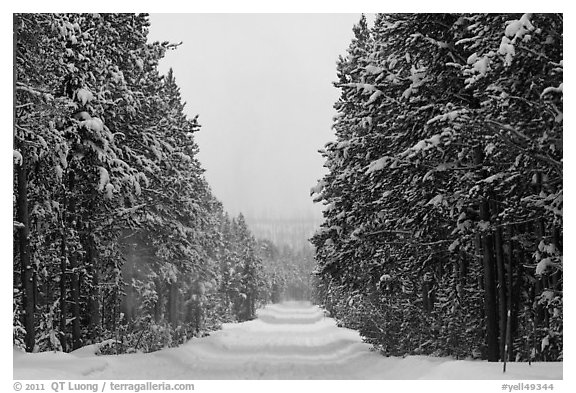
[(293, 340)]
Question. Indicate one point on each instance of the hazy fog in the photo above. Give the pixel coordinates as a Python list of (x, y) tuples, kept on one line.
[(262, 85)]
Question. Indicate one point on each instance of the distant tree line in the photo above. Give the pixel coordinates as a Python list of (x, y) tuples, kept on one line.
[(117, 235), (443, 214), (288, 269)]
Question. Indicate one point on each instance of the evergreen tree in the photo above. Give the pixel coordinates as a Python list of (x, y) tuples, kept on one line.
[(105, 172), (437, 161)]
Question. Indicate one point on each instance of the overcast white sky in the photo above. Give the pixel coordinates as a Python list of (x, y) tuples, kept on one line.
[(262, 86)]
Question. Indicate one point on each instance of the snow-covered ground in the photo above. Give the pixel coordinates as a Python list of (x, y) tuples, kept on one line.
[(293, 340)]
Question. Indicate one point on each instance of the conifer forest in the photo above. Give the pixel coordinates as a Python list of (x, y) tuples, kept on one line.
[(442, 230), (117, 235), (443, 220)]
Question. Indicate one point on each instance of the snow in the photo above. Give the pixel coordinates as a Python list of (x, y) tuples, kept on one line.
[(374, 70), (507, 50), (479, 67), (552, 89), (466, 40), (59, 172), (104, 178), (417, 76), (450, 116), (490, 147), (440, 44), (433, 141), (374, 97), (472, 58), (377, 165), (368, 88), (547, 296), (385, 278), (94, 124), (452, 64), (317, 189), (549, 248), (367, 120), (91, 350), (292, 340), (109, 190), (544, 265), (17, 157), (513, 28), (84, 96), (518, 28), (454, 245), (437, 200), (493, 178)]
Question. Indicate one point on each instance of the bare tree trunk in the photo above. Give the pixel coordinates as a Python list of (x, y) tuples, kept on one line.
[(502, 299), (62, 282), (158, 306), (94, 302), (75, 279), (489, 274), (63, 296), (92, 265), (489, 290), (75, 294), (172, 304), (426, 292), (197, 304), (510, 303), (27, 271)]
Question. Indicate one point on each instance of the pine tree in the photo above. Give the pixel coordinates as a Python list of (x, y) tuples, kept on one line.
[(106, 172), (429, 169)]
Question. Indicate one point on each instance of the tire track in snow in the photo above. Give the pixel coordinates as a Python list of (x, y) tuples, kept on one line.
[(289, 340), (286, 341), (292, 340)]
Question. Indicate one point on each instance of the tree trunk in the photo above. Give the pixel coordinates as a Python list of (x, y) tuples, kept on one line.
[(197, 305), (158, 305), (75, 294), (115, 309), (487, 243), (502, 298), (425, 296), (173, 304), (27, 271), (478, 248), (63, 297), (75, 279), (540, 314), (489, 290), (540, 231), (94, 302), (251, 304), (62, 282), (512, 311)]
